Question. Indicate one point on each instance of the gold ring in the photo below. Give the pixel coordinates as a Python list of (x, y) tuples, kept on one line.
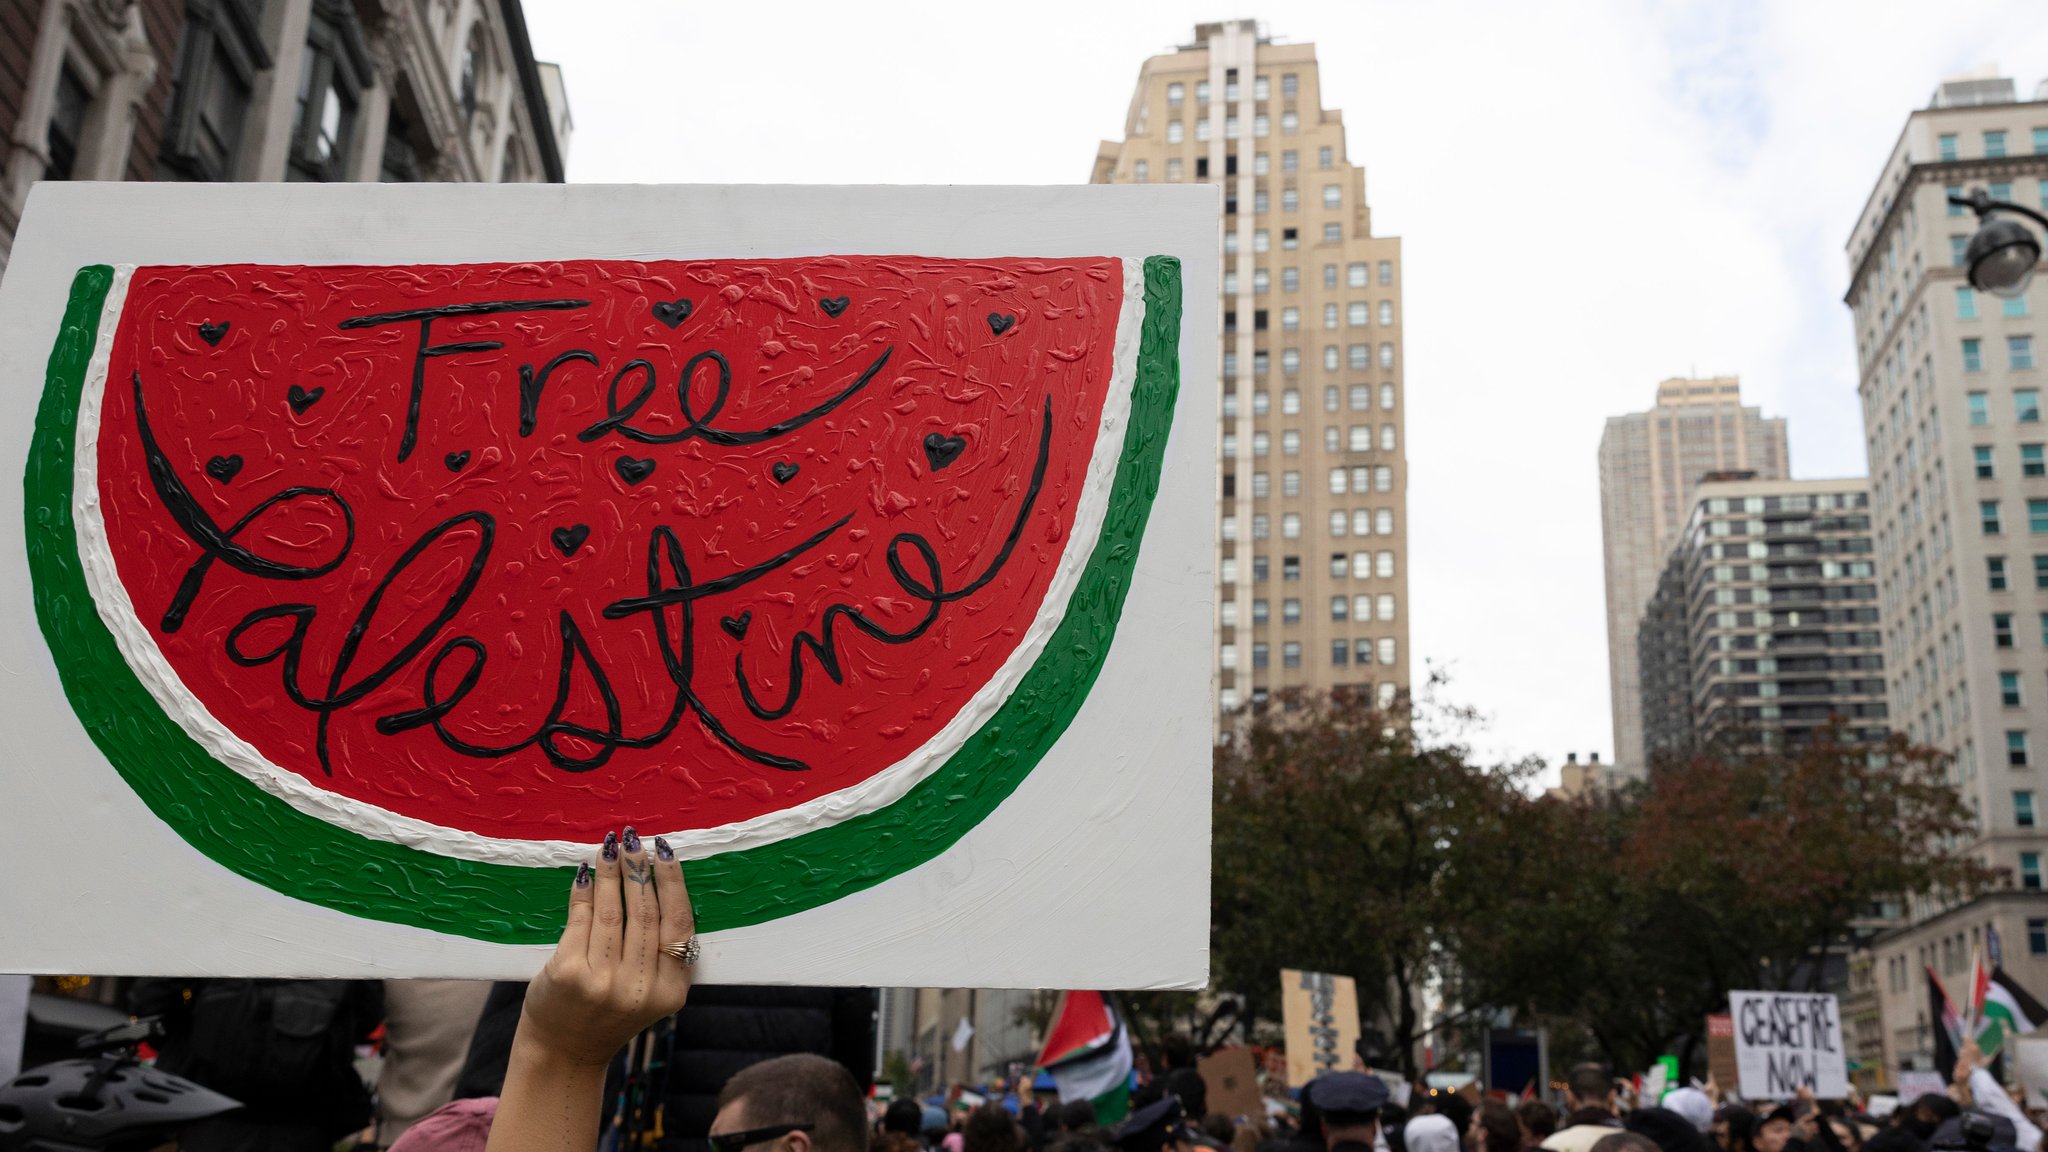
[(684, 950)]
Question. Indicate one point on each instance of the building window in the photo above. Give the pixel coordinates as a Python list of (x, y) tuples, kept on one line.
[(1386, 313), (1262, 485), (1958, 250), (1980, 409), (1361, 397), (1338, 484), (2001, 630), (1987, 514), (1949, 193), (1290, 321), (1290, 654), (1383, 478), (1383, 565), (1290, 567), (1290, 160), (1973, 355), (2026, 405), (2013, 306), (1262, 657), (218, 59), (1227, 570), (2041, 141), (2037, 516), (1333, 195), (1386, 437), (1383, 521), (469, 85), (1386, 649), (1202, 128), (1386, 272), (1340, 608), (1262, 526), (1290, 358), (1176, 94), (1330, 397), (1261, 611), (1333, 233), (1140, 171), (1290, 279), (1359, 314), (1994, 572), (1994, 144), (2020, 351), (2016, 748), (1174, 170), (2041, 571), (1262, 164), (1325, 158), (1386, 397), (1290, 526), (1338, 521), (2032, 462), (1387, 356), (1330, 357), (2023, 809), (1262, 127), (2037, 935), (1359, 356), (1966, 304), (1261, 567), (1202, 91), (2030, 871), (1290, 442), (1361, 438), (336, 69), (1288, 123), (1226, 614), (1947, 144), (67, 125), (2044, 629), (1340, 652), (1982, 455), (1230, 127), (1340, 565), (1361, 522)]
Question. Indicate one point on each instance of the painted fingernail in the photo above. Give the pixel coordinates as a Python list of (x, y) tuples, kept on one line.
[(583, 874), (661, 849), (611, 845), (632, 839)]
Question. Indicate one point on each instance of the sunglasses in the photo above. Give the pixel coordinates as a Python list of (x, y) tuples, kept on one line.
[(735, 1141)]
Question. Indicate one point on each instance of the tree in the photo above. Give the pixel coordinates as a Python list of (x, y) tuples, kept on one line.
[(1338, 831)]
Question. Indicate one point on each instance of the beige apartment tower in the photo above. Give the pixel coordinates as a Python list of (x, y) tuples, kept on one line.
[(1951, 381), (1311, 499), (1651, 466)]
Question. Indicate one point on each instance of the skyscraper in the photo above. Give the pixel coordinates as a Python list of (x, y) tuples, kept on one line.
[(1950, 381), (1312, 513), (1765, 626), (1651, 464)]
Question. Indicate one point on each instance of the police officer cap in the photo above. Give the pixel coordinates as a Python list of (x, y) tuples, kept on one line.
[(1342, 1095), (1152, 1127)]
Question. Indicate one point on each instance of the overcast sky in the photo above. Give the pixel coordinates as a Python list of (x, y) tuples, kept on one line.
[(1592, 196)]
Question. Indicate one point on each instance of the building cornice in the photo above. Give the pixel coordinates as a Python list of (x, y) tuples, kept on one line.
[(1944, 172), (536, 97)]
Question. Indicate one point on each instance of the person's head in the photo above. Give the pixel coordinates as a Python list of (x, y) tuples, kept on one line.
[(1696, 1106), (1624, 1142), (904, 1116), (1774, 1131), (1538, 1120), (990, 1128), (1076, 1116), (1454, 1108), (1589, 1086), (1193, 1091), (1430, 1132), (1157, 1127), (1349, 1103), (797, 1103), (1847, 1132), (1668, 1130), (1734, 1128), (1496, 1129), (1929, 1112)]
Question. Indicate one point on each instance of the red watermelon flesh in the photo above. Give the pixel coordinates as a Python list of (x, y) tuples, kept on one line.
[(867, 484)]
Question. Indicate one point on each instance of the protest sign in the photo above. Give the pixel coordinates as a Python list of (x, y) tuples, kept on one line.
[(1915, 1084), (1786, 1040), (2030, 1062), (1320, 1012), (387, 546), (1233, 1080), (1721, 1051)]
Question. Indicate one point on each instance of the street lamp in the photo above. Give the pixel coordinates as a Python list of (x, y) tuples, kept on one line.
[(2002, 255)]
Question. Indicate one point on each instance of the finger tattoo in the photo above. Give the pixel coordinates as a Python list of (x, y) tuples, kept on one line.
[(639, 872)]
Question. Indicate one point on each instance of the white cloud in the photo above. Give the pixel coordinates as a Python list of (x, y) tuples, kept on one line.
[(1593, 195)]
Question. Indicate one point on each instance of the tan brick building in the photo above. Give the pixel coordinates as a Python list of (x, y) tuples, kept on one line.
[(1312, 487)]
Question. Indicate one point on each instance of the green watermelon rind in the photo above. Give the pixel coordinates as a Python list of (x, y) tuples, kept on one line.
[(261, 837)]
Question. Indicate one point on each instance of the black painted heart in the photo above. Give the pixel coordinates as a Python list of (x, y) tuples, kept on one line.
[(301, 399), (999, 323), (568, 540), (783, 471), (834, 305), (737, 625), (672, 312), (456, 460), (633, 470), (943, 450), (213, 334), (224, 468)]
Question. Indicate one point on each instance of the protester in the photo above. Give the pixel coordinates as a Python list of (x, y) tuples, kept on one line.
[(1734, 1128), (1774, 1131), (901, 1123), (1431, 1132), (1665, 1128), (284, 1048), (990, 1128), (1974, 1087), (1218, 1131), (1693, 1104), (428, 1026), (1589, 1110), (1495, 1129), (1538, 1121), (1158, 1127), (1617, 1140), (798, 1103), (458, 1126)]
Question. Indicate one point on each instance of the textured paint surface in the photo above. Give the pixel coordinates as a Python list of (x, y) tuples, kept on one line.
[(250, 832), (446, 596)]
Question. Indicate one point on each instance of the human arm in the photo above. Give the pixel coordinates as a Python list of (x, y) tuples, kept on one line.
[(607, 980), (1990, 1098)]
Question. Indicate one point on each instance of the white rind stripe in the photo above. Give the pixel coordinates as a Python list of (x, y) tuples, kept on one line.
[(879, 791)]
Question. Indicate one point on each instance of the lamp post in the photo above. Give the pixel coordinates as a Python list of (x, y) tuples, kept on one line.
[(2002, 254)]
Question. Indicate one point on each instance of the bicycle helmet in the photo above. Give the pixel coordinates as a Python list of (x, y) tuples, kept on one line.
[(49, 1108)]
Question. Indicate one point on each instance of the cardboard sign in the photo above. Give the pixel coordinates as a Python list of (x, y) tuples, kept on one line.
[(1721, 1052), (1233, 1080), (1786, 1040), (1320, 1012), (386, 547)]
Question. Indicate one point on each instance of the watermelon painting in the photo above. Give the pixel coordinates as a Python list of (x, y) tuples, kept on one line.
[(394, 587)]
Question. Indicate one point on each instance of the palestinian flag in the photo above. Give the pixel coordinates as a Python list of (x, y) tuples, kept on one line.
[(1088, 1054), (1948, 1029), (2006, 1011)]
